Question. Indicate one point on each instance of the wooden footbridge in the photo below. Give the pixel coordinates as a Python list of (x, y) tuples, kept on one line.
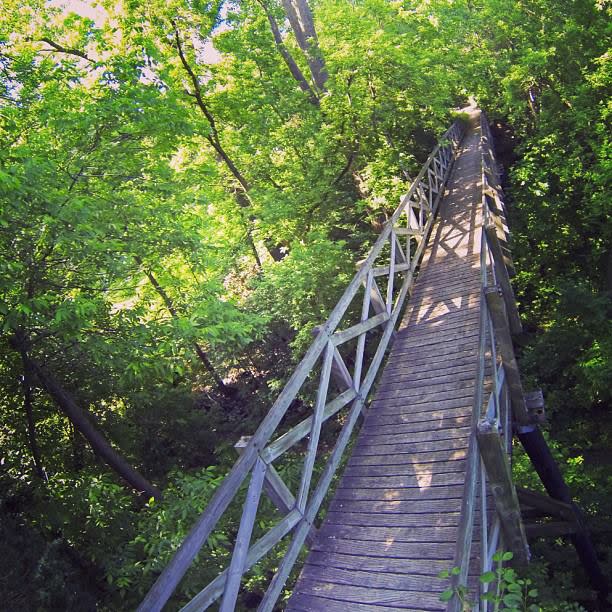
[(428, 484)]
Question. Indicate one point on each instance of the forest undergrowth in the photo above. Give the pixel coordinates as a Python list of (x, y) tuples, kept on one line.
[(185, 188)]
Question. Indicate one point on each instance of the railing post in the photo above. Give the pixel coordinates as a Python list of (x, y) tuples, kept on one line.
[(243, 540), (259, 452), (495, 306), (499, 476)]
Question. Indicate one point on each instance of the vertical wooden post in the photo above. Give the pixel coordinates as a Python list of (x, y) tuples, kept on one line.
[(503, 279), (499, 474), (495, 305), (243, 539)]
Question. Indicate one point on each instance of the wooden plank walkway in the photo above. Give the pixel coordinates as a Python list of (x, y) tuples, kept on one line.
[(392, 523)]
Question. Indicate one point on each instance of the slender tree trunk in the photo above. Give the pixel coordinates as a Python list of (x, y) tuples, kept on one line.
[(26, 383), (241, 194), (300, 17), (79, 418), (294, 69), (169, 304)]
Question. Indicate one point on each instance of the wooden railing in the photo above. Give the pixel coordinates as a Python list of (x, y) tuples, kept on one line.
[(400, 247), (499, 402)]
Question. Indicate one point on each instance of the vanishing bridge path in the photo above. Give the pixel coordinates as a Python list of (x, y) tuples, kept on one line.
[(428, 483), (392, 524)]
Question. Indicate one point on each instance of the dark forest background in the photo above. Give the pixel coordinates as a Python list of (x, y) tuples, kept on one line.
[(175, 220)]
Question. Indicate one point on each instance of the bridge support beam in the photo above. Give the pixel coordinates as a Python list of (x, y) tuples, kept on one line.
[(537, 448), (499, 474)]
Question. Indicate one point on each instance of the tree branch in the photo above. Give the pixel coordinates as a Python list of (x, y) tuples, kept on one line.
[(287, 57), (67, 50)]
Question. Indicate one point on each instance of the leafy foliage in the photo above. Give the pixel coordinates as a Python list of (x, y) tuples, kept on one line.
[(177, 213)]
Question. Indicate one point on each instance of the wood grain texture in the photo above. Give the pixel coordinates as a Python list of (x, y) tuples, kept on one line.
[(391, 525)]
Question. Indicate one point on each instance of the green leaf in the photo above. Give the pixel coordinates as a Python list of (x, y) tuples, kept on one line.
[(512, 599), (507, 556), (447, 595), (487, 577)]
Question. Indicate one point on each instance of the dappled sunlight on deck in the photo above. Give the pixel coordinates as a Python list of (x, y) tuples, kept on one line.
[(392, 523)]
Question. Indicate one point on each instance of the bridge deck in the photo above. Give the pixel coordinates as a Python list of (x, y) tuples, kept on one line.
[(392, 523)]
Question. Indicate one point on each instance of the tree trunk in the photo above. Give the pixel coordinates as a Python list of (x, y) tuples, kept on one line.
[(300, 17), (294, 69), (537, 449), (241, 194), (79, 418), (26, 383), (169, 304)]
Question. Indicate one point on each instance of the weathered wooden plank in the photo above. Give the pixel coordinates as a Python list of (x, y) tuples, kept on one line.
[(374, 519), (397, 405), (445, 349), (389, 270), (452, 285), (387, 580), (360, 351), (403, 410), (441, 455), (407, 231), (274, 486), (214, 590), (457, 299), (339, 372), (376, 564), (387, 534), (432, 435), (437, 341), (302, 602), (402, 600), (430, 391), (409, 447), (459, 269), (454, 277), (429, 424), (400, 550), (388, 392), (418, 377), (406, 469), (427, 492), (421, 481), (415, 363), (417, 418), (315, 428), (301, 430), (412, 379), (433, 315), (243, 539), (396, 507), (441, 327)]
